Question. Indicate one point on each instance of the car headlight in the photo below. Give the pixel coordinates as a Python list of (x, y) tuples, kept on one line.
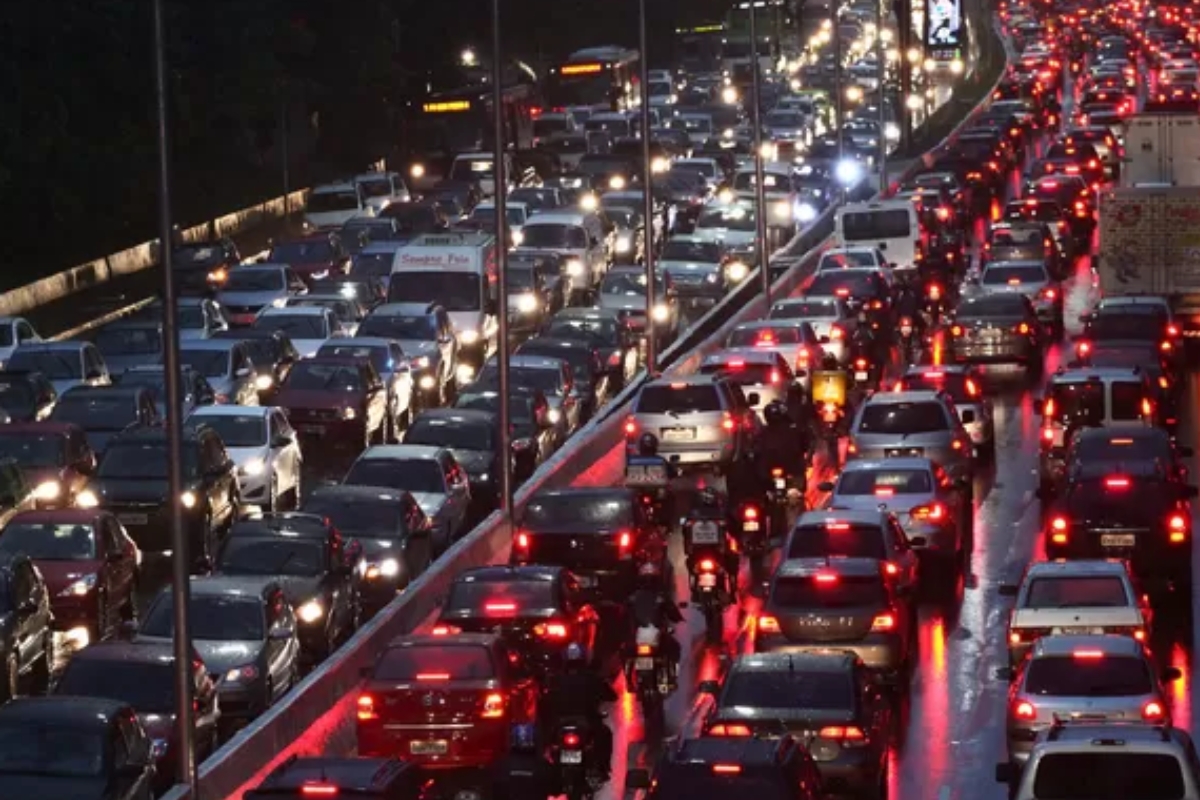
[(254, 467), (241, 674), (737, 271), (659, 164), (854, 93), (417, 170), (725, 195), (661, 313), (279, 302), (872, 143), (387, 568), (589, 202), (554, 415), (891, 132), (310, 612), (468, 336), (783, 209), (527, 303), (768, 152), (624, 244), (218, 275), (349, 413), (427, 382), (464, 374), (79, 587), (264, 382), (517, 237), (616, 182), (956, 66), (711, 277), (805, 212), (729, 95), (420, 362), (188, 499), (728, 133), (87, 499), (48, 490), (575, 268), (158, 748)]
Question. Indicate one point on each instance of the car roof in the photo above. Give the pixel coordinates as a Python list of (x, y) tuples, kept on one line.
[(910, 396), (872, 516), (741, 750), (433, 640), (925, 369), (459, 416), (408, 452), (232, 411), (1064, 567), (682, 380), (311, 311), (356, 492), (873, 464), (51, 347), (229, 585), (214, 345), (843, 565), (116, 390), (75, 711), (1083, 374), (813, 661), (43, 426), (132, 652), (558, 217), (542, 573), (535, 362), (751, 355), (61, 516), (293, 523), (1065, 645), (403, 310)]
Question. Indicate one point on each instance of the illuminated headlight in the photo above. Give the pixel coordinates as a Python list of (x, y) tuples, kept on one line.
[(263, 382), (848, 172), (956, 66), (49, 490), (872, 143), (854, 94), (737, 271), (79, 587), (188, 499), (725, 196), (517, 237), (468, 337), (417, 170), (930, 65), (348, 292), (659, 164), (616, 182), (420, 362), (527, 303), (711, 277), (783, 209), (87, 499), (554, 415), (805, 213), (427, 382), (914, 102), (575, 268), (661, 313), (728, 133), (279, 302), (891, 132), (310, 612), (624, 244), (389, 568), (588, 202), (241, 674), (729, 95), (768, 151), (464, 374), (349, 413), (218, 275), (254, 467), (158, 748), (795, 84)]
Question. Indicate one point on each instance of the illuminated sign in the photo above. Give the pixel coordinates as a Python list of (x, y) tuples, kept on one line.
[(582, 69), (944, 25), (448, 106)]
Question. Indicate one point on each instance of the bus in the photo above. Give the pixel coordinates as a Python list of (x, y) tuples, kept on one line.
[(770, 18), (595, 79), (699, 47)]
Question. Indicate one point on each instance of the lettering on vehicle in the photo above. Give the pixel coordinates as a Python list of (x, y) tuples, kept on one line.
[(439, 260)]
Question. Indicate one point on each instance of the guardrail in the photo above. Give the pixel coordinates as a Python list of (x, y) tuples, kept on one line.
[(317, 715)]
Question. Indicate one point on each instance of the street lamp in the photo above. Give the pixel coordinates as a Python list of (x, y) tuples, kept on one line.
[(468, 57), (647, 197), (760, 189)]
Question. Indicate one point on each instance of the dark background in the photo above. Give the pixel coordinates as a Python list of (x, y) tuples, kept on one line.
[(77, 146)]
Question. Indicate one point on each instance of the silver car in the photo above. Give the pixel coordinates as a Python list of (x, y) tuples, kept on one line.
[(265, 448), (732, 224), (308, 328), (923, 424), (250, 289), (1085, 679), (698, 268), (763, 375), (700, 420), (794, 339), (226, 365), (933, 509), (200, 318), (348, 313), (965, 387), (830, 317), (1030, 278), (623, 290)]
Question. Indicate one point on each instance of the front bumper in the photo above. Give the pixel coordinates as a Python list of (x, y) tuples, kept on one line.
[(332, 431), (242, 702)]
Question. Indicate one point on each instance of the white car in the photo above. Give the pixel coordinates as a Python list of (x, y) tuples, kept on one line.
[(265, 449), (15, 331), (308, 327), (830, 317)]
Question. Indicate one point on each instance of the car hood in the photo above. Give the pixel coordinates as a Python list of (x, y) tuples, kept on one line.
[(621, 302), (22, 787), (61, 574), (674, 268), (475, 462), (376, 550), (130, 490), (220, 657), (98, 440), (420, 347), (63, 384), (723, 235), (307, 348), (316, 398), (158, 726), (121, 363), (252, 299), (431, 503), (299, 589)]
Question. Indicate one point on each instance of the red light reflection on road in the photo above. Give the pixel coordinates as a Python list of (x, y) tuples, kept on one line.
[(934, 701), (1181, 707)]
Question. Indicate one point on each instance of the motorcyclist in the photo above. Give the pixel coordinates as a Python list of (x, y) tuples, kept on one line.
[(650, 605), (784, 445), (577, 694), (909, 304), (863, 341), (710, 505), (647, 451)]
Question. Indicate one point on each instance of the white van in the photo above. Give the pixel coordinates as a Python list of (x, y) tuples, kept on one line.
[(480, 168), (332, 205), (381, 189), (457, 271), (580, 236), (890, 225)]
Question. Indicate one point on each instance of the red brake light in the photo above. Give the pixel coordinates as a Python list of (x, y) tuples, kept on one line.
[(933, 376), (433, 676), (551, 630), (825, 577), (571, 740), (884, 622), (1088, 655), (750, 514), (891, 569), (765, 339), (1049, 294), (366, 708), (775, 376), (708, 565), (624, 540), (835, 332), (842, 734), (943, 213), (1116, 483), (522, 541), (445, 630), (722, 729), (1049, 184), (768, 624), (935, 291), (840, 527), (500, 608), (1025, 710), (318, 790), (630, 427), (1153, 711), (956, 330), (933, 512), (842, 292), (1083, 348), (1165, 346), (972, 389), (1177, 525), (727, 769), (737, 363), (1023, 329), (884, 492), (493, 706), (729, 423)]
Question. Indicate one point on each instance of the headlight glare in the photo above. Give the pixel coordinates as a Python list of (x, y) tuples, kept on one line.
[(188, 499), (87, 499), (310, 612)]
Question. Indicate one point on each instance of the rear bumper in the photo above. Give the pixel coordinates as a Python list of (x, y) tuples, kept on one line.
[(1003, 351), (480, 746), (882, 653)]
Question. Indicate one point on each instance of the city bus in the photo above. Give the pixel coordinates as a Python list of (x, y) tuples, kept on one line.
[(595, 79)]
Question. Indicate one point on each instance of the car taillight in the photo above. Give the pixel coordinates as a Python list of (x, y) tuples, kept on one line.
[(631, 428), (889, 567), (1027, 635), (884, 622), (1022, 329), (645, 649), (1092, 163), (1049, 293), (445, 630), (860, 363), (931, 513), (625, 544), (802, 358), (956, 330), (493, 706), (935, 291), (614, 360), (551, 630), (1172, 330), (366, 708), (846, 736), (835, 332), (728, 423), (1083, 348), (721, 729), (775, 376), (1024, 710), (318, 790), (1058, 530), (1177, 526), (522, 541), (1153, 711), (707, 565), (768, 624), (571, 740), (750, 514)]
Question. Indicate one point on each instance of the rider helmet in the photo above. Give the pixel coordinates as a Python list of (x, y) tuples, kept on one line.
[(709, 497), (776, 413), (649, 576)]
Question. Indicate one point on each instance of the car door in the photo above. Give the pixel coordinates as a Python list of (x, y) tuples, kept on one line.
[(218, 480), (457, 496), (281, 646), (121, 555), (418, 544), (25, 333), (137, 753), (28, 597), (901, 554), (245, 390)]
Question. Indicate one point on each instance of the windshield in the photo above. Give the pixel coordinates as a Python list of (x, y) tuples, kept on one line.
[(255, 280), (295, 326), (597, 329), (322, 202), (57, 751), (1087, 591), (682, 399), (999, 275), (146, 460), (375, 187), (521, 409), (743, 373), (1107, 774), (548, 380), (1135, 448), (148, 686), (547, 126), (550, 237), (784, 119), (359, 516), (209, 363), (213, 619), (415, 475), (1072, 676), (960, 388), (455, 291), (515, 216), (843, 591), (847, 258), (309, 252), (764, 337), (471, 169), (394, 326), (875, 226), (1137, 327), (412, 218), (500, 598), (264, 350), (96, 412), (49, 541), (56, 366), (703, 252), (434, 663), (457, 434), (245, 555), (848, 539), (884, 482), (128, 341), (31, 450), (309, 376), (734, 219), (571, 510), (903, 418), (809, 690), (805, 310), (628, 284), (197, 256), (237, 430), (379, 357)]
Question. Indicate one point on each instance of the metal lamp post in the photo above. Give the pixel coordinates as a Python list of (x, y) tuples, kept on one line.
[(881, 56), (839, 90), (760, 190), (180, 573), (647, 196)]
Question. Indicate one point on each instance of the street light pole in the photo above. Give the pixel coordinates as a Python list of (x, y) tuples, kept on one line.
[(180, 563), (881, 60), (500, 180), (647, 196), (838, 90), (760, 190)]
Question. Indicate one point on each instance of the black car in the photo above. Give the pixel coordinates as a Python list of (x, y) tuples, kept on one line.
[(362, 778), (538, 610), (142, 675), (1168, 390), (200, 267), (863, 290), (131, 482), (825, 700), (995, 329), (595, 533), (1132, 322), (318, 568), (535, 436), (1125, 444), (244, 630), (734, 767), (26, 396), (389, 526), (587, 365), (129, 342), (272, 354), (103, 412), (49, 743), (26, 636), (615, 339)]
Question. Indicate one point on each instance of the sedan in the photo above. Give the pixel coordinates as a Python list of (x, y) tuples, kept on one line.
[(830, 317), (623, 290), (129, 343), (995, 329), (265, 449), (342, 398), (250, 289), (389, 360), (612, 336), (473, 438), (54, 457), (195, 389), (1031, 279), (307, 328), (64, 364)]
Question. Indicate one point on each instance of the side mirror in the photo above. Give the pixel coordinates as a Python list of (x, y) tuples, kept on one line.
[(1184, 452), (917, 541), (708, 687), (244, 372), (1171, 674), (637, 779), (1008, 590), (1004, 673), (281, 440), (825, 486), (753, 398), (1005, 772)]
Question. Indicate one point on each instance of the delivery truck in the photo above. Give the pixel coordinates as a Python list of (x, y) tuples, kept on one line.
[(1162, 150)]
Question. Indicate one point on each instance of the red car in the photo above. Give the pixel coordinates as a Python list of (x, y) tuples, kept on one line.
[(339, 400), (314, 256), (89, 563), (444, 701), (55, 457)]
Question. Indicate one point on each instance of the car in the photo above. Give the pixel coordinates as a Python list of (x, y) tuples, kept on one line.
[(272, 354), (605, 330), (916, 423), (831, 319), (854, 257), (473, 670), (196, 318), (227, 367), (873, 619), (534, 436), (554, 376), (779, 767), (794, 339), (1025, 241), (307, 328), (702, 270), (828, 700), (306, 777), (265, 449), (142, 674), (389, 526), (366, 290), (537, 289), (1082, 596), (103, 412), (862, 289), (473, 437), (623, 290), (389, 360), (965, 388), (26, 396), (339, 401), (763, 376), (1145, 322), (348, 313), (431, 474), (1124, 444), (1036, 209), (49, 742), (126, 343), (244, 630), (65, 364), (251, 288), (26, 633), (538, 610), (700, 420), (131, 481), (426, 336), (1031, 279), (318, 570), (590, 377), (195, 389), (314, 256), (995, 329), (54, 457)]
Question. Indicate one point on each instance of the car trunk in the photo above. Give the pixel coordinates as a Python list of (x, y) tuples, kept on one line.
[(985, 329), (824, 608), (430, 705), (576, 549)]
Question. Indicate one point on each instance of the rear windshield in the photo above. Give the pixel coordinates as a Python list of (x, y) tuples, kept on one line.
[(885, 482), (1013, 237), (857, 283), (999, 275), (575, 510), (1120, 448), (742, 373), (903, 418), (1084, 675), (501, 598), (764, 337), (1091, 591), (434, 663), (1085, 400), (859, 226), (683, 399), (1108, 775), (997, 305), (1042, 211), (837, 539), (847, 259), (805, 310), (1126, 326), (1112, 502), (824, 691), (956, 384), (842, 592)]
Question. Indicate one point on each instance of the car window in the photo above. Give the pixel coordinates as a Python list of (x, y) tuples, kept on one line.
[(679, 398), (903, 418)]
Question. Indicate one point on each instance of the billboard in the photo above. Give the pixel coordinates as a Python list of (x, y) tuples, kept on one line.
[(943, 28)]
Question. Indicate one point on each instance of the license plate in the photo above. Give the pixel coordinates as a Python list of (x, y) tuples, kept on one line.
[(859, 375), (780, 483), (133, 519), (1076, 631), (438, 747), (707, 581), (706, 533), (586, 581), (679, 434), (991, 334), (750, 526), (645, 475), (1118, 540), (316, 430), (570, 757), (642, 663)]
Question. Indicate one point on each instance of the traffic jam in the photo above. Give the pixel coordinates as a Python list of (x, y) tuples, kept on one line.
[(922, 531)]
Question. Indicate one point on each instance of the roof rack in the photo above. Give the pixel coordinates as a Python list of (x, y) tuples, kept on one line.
[(1060, 724)]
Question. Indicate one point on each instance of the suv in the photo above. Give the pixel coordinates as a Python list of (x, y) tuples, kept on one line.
[(769, 769), (1073, 762), (310, 777), (964, 386), (915, 423), (700, 420)]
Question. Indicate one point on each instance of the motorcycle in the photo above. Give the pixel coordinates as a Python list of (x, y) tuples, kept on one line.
[(711, 588), (829, 397), (648, 671), (935, 303), (649, 477), (909, 341), (573, 754)]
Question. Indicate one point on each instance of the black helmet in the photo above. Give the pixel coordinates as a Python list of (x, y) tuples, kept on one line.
[(709, 497), (775, 413), (649, 576), (648, 445)]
